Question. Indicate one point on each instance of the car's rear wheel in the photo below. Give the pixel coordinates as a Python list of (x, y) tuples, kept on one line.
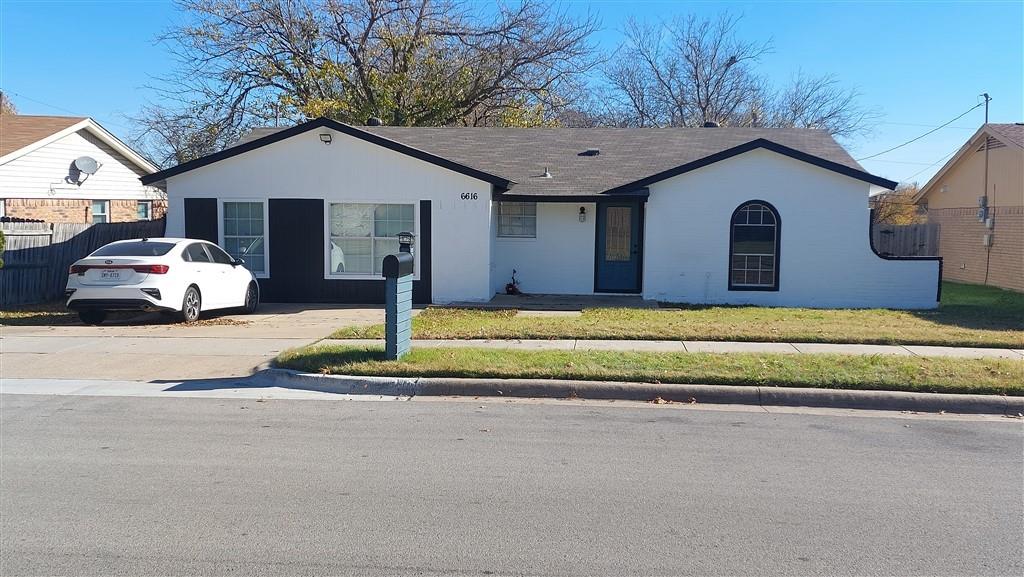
[(92, 316), (191, 304), (252, 298)]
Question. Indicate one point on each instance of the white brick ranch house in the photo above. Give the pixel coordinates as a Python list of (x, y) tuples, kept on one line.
[(775, 217)]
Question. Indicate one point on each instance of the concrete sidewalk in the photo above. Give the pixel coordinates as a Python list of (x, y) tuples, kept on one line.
[(705, 347), (147, 348)]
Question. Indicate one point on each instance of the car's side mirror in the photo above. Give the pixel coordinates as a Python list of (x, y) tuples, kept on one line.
[(237, 262)]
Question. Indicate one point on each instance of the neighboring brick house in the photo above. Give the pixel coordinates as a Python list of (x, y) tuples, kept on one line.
[(45, 166), (979, 207)]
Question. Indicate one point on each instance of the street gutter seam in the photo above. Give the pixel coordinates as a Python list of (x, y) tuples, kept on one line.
[(714, 394)]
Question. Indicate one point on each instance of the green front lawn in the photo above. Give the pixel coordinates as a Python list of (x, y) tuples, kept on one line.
[(969, 316), (921, 374)]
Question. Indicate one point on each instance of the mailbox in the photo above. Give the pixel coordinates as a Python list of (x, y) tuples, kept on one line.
[(397, 272), (397, 265)]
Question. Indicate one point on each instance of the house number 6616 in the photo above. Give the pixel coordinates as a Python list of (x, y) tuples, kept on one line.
[(470, 195)]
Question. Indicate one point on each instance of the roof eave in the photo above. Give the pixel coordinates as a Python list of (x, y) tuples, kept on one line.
[(322, 122), (927, 188), (96, 130), (753, 145), (636, 193)]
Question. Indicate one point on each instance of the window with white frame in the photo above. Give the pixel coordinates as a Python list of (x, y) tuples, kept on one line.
[(754, 247), (362, 234), (100, 211), (245, 234), (517, 219), (144, 210)]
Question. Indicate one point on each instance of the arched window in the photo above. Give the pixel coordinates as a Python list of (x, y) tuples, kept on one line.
[(754, 247)]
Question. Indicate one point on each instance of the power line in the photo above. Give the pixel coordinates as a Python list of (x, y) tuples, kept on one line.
[(41, 102), (37, 101), (918, 124), (923, 135), (907, 179), (902, 162)]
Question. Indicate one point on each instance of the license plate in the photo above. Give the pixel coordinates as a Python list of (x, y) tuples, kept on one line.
[(110, 274)]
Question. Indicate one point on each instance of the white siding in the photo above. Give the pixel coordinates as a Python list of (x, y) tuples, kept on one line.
[(826, 259), (353, 170), (559, 261), (41, 173)]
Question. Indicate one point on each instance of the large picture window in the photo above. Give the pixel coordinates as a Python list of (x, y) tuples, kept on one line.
[(245, 234), (517, 219), (362, 234), (754, 247)]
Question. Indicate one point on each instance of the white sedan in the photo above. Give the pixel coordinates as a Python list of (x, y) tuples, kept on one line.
[(172, 275)]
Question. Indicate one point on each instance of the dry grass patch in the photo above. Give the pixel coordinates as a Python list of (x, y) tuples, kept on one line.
[(969, 316)]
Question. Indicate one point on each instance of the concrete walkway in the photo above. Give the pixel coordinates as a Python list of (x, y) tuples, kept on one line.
[(707, 347)]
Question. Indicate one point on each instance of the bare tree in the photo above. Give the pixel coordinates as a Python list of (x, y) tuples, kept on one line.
[(691, 71), (6, 106), (819, 102), (409, 62), (171, 136)]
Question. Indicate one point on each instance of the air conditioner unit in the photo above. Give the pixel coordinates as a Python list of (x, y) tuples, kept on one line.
[(986, 240), (982, 214), (990, 222)]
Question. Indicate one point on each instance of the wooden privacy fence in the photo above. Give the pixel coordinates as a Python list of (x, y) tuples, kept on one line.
[(38, 254), (906, 239)]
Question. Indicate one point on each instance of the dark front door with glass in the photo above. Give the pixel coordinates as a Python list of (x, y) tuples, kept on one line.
[(618, 248)]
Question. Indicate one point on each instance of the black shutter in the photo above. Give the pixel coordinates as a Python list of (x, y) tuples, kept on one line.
[(201, 219)]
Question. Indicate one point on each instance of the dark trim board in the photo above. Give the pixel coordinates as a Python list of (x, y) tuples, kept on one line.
[(501, 183), (640, 194), (297, 252), (747, 147)]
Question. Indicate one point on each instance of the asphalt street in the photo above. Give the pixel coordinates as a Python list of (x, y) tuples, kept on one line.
[(93, 485)]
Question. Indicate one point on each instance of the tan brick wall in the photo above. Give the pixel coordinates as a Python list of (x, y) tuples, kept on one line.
[(75, 210), (48, 209), (964, 256), (127, 210)]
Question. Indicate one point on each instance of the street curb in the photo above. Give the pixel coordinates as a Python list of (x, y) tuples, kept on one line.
[(707, 394)]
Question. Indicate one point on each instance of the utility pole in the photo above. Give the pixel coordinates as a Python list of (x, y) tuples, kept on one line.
[(989, 209)]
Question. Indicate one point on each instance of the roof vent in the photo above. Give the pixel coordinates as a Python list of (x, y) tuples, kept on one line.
[(591, 152), (710, 124), (374, 121)]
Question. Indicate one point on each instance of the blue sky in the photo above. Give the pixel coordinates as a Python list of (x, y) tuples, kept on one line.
[(918, 63)]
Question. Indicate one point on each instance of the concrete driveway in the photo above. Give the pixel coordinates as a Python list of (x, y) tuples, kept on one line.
[(149, 348)]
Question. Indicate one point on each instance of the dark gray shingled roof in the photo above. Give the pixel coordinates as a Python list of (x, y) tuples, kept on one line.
[(627, 155), (629, 158)]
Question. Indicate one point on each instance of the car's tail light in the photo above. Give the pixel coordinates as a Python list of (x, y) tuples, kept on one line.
[(151, 268), (80, 269)]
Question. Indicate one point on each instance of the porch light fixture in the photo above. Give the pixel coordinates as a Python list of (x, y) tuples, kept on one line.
[(326, 137), (405, 241), (583, 214)]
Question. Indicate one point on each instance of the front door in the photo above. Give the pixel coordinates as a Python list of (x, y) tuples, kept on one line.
[(618, 248)]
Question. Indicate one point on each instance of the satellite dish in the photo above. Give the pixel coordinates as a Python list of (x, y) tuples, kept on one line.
[(87, 164)]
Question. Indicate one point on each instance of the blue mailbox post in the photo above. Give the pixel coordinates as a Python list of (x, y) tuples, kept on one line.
[(397, 271)]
